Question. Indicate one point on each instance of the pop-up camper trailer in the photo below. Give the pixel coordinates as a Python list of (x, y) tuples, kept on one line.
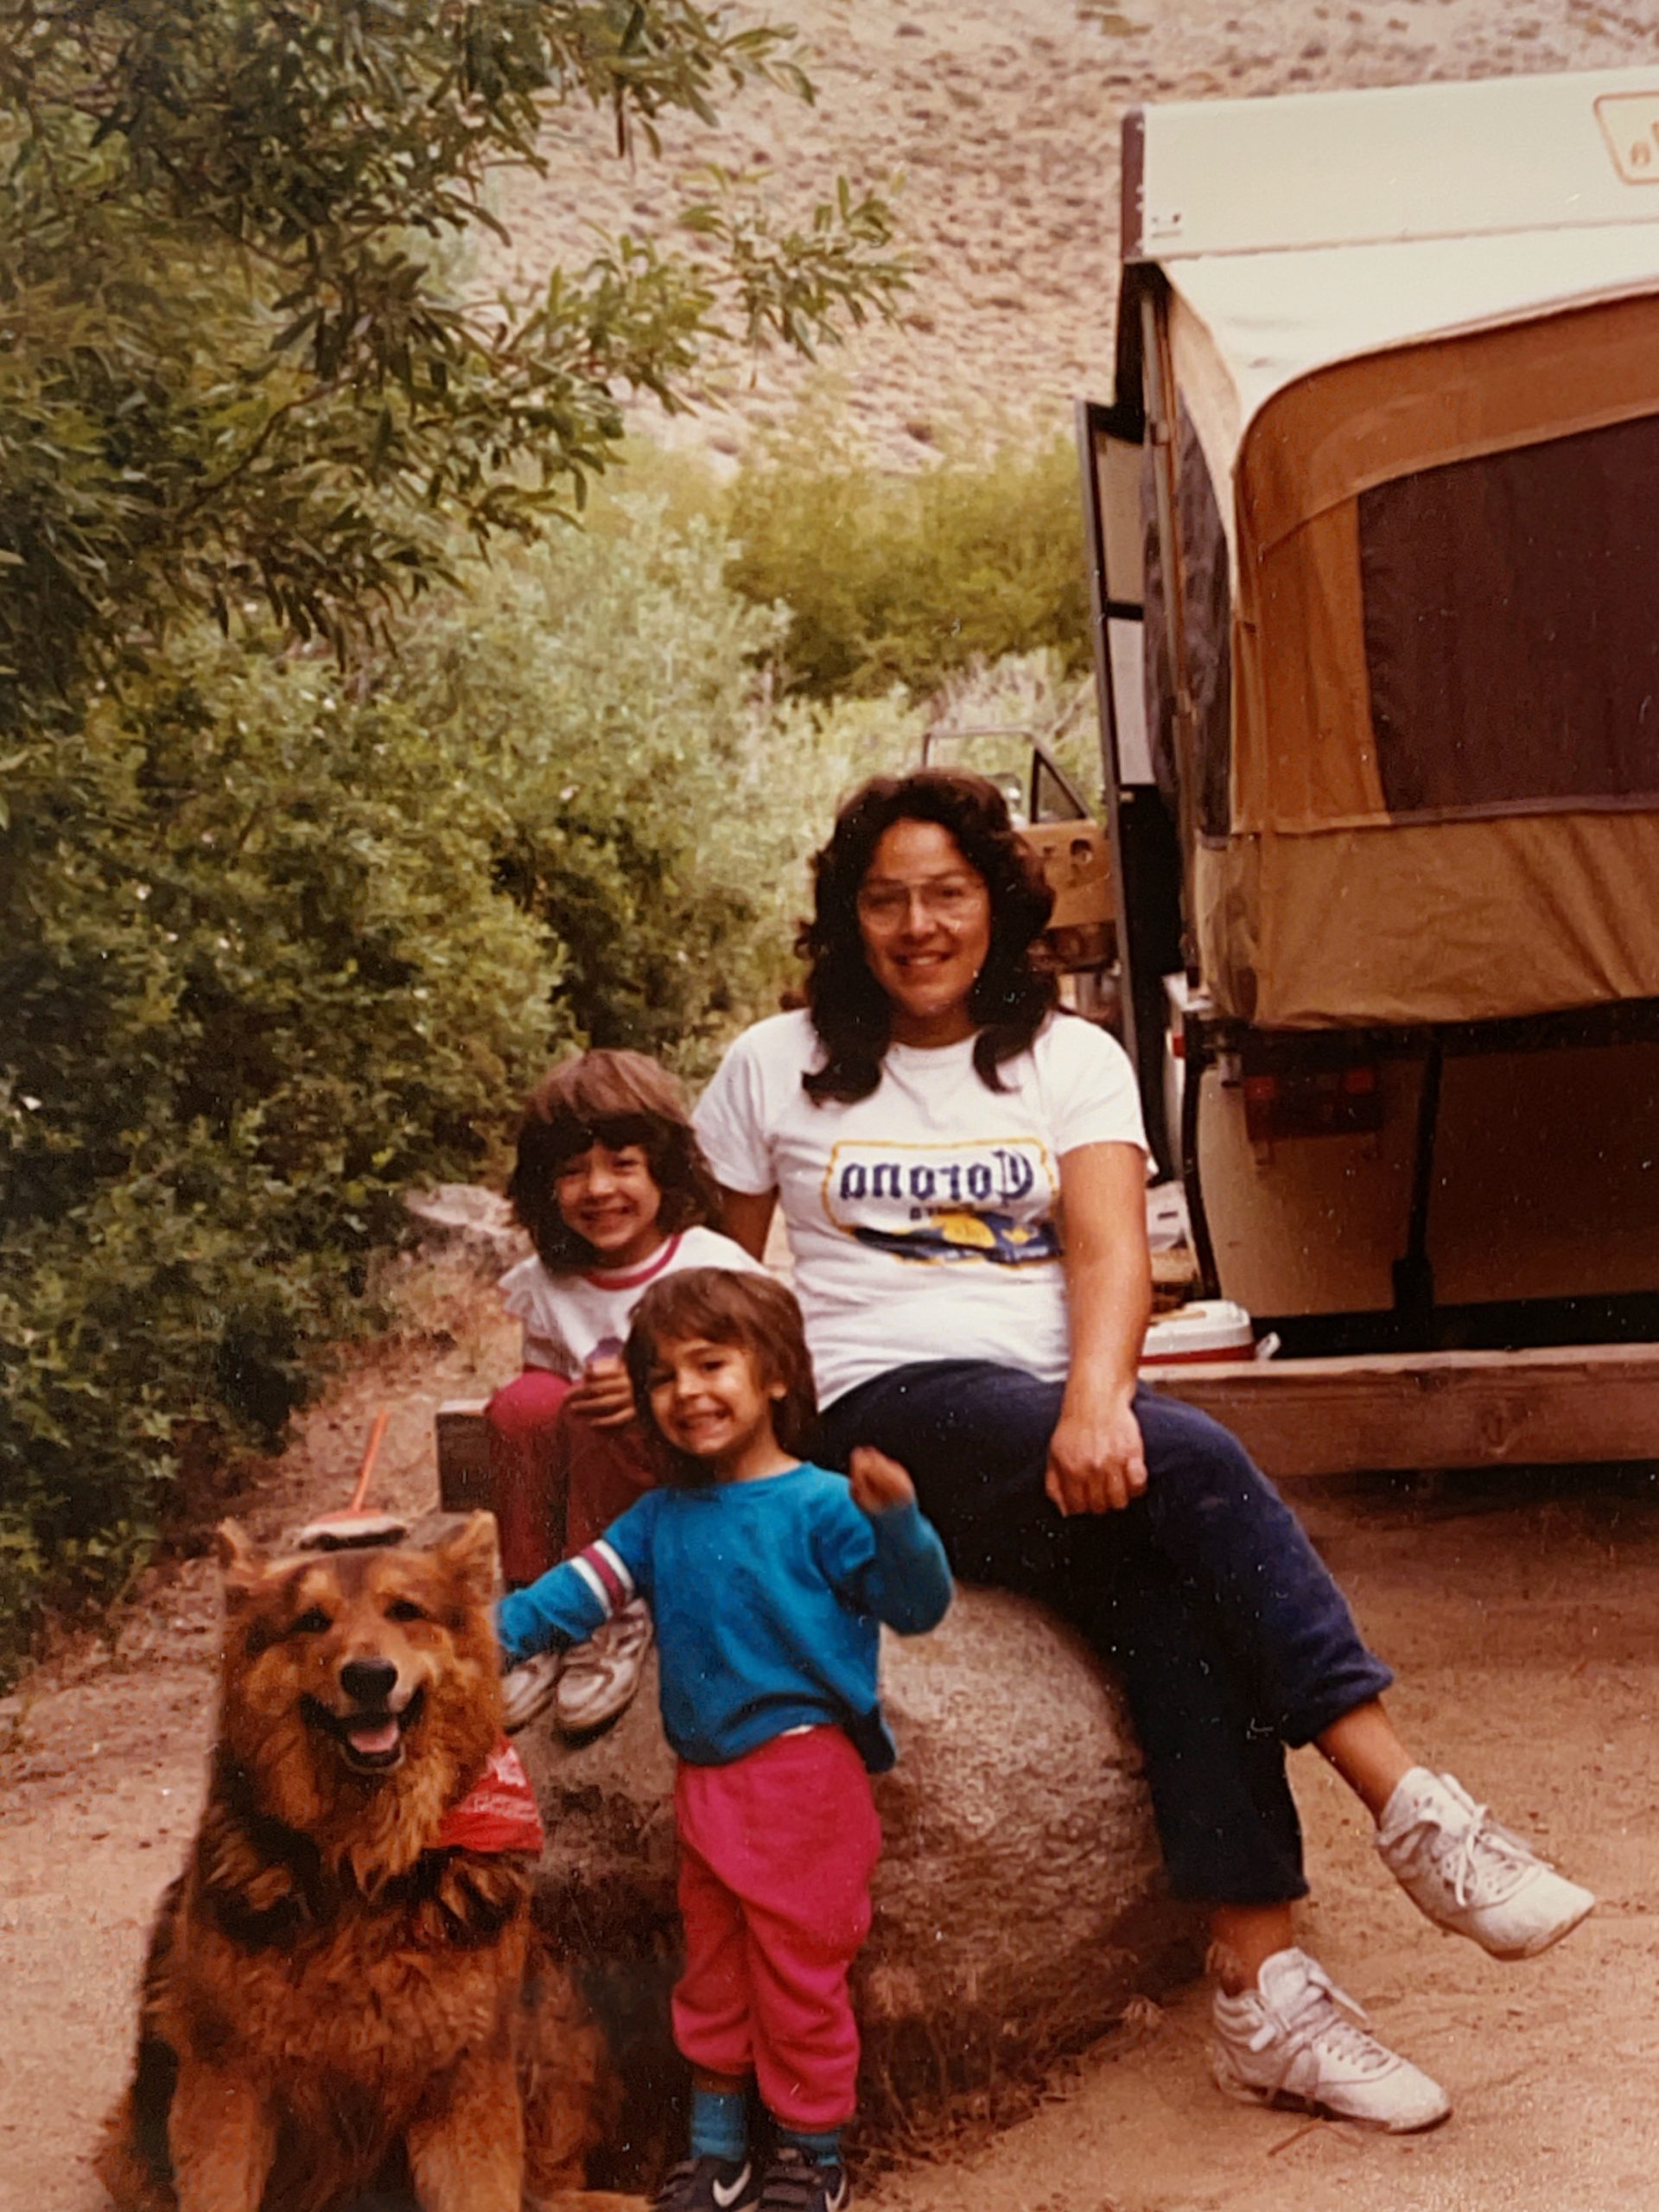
[(1375, 519)]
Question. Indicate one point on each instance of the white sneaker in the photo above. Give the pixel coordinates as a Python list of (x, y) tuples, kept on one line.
[(1467, 1873), (1296, 2039), (528, 1689), (599, 1677)]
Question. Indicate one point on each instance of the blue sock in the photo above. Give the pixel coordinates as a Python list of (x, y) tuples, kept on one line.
[(823, 2148), (719, 2125)]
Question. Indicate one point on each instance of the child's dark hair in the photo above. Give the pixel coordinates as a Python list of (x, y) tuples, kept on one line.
[(612, 1098), (754, 1312), (1015, 989)]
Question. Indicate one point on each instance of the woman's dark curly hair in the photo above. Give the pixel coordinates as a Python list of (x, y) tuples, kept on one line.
[(755, 1312), (612, 1098), (1013, 992)]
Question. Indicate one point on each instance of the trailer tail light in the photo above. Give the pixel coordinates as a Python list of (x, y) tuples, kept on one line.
[(1308, 1087)]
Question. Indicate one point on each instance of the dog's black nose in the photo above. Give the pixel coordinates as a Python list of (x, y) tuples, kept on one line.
[(371, 1681)]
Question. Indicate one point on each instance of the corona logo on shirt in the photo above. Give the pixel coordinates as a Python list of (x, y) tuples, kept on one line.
[(993, 1202)]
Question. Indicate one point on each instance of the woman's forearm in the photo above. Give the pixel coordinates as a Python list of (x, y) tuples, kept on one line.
[(1097, 1459), (1110, 1299), (1108, 1270)]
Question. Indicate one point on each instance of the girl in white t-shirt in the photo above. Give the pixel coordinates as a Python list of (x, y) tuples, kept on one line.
[(614, 1190)]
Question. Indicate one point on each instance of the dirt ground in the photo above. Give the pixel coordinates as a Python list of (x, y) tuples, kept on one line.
[(1521, 1612)]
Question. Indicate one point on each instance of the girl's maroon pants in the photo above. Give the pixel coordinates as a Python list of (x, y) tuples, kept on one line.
[(556, 1480)]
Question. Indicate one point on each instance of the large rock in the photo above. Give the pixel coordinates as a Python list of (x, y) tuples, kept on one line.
[(1019, 1901)]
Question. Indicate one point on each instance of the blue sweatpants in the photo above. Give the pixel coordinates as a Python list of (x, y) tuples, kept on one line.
[(1232, 1639)]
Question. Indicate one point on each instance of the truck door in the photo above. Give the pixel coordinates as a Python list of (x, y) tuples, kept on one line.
[(1145, 855)]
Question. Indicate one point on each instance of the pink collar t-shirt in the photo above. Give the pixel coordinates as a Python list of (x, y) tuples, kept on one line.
[(925, 1219), (571, 1318)]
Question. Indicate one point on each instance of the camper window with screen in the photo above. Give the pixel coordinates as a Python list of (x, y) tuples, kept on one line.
[(1510, 637)]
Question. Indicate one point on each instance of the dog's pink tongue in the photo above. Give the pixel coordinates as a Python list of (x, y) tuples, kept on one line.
[(371, 1740)]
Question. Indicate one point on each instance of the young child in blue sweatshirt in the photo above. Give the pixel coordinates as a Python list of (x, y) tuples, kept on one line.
[(766, 1579)]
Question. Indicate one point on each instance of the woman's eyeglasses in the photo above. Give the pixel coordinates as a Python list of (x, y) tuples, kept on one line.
[(948, 898)]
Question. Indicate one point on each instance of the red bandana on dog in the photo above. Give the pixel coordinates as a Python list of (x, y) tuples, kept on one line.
[(498, 1812)]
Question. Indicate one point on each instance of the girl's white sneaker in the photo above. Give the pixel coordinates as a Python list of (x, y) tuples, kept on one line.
[(599, 1678), (528, 1689), (1296, 2039), (1465, 1873)]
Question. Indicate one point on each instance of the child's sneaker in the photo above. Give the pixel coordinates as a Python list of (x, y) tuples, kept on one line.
[(708, 2184), (1296, 2039), (793, 2184), (599, 1678), (529, 1689), (1467, 1873)]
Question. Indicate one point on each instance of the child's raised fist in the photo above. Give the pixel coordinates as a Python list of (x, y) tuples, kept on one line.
[(879, 1483)]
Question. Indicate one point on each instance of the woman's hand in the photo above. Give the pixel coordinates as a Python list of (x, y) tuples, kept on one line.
[(604, 1397), (1097, 1462), (879, 1483)]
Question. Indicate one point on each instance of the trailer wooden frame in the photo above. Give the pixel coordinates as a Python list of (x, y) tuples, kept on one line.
[(1547, 1406)]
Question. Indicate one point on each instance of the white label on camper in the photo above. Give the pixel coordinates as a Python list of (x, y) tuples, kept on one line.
[(1630, 124)]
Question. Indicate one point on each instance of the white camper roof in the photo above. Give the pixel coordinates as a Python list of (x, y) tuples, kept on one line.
[(1306, 230), (1565, 152)]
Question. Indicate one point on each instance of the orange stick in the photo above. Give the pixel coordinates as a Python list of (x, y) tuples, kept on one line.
[(369, 1455)]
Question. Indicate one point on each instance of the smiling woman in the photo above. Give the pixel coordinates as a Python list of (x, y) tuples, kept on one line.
[(925, 920), (961, 1169)]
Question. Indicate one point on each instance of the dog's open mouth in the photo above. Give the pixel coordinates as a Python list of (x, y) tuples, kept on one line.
[(372, 1740)]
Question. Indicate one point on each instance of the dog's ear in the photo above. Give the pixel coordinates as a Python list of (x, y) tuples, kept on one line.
[(239, 1565), (470, 1554)]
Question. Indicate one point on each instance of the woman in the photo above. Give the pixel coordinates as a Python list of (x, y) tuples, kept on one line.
[(962, 1171)]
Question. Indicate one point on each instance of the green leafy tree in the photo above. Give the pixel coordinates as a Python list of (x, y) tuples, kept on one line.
[(654, 802), (237, 370), (276, 937), (306, 939)]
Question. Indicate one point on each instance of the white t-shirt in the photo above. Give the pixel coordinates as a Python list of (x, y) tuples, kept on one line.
[(568, 1319), (924, 1219)]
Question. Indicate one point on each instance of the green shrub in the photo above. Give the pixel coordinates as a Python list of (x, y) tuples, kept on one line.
[(658, 804), (1033, 692), (894, 578), (275, 943), (258, 977)]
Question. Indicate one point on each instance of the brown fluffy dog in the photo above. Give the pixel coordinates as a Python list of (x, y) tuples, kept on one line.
[(334, 1999)]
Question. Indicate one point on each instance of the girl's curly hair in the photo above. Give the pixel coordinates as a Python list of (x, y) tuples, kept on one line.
[(1013, 992), (612, 1098)]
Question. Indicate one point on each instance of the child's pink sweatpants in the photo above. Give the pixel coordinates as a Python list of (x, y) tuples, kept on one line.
[(776, 1854)]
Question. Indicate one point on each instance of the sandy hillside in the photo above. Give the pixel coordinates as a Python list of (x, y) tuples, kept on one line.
[(999, 120)]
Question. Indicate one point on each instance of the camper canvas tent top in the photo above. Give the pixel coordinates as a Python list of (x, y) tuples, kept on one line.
[(1399, 353)]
